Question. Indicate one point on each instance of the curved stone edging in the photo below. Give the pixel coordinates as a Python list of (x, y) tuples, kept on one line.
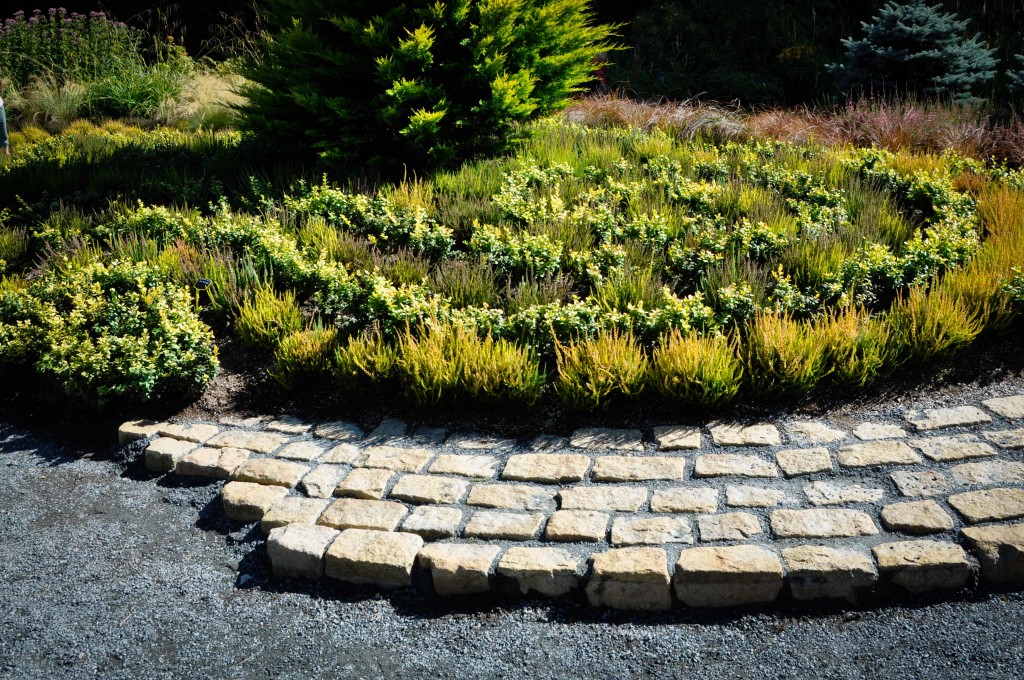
[(717, 516)]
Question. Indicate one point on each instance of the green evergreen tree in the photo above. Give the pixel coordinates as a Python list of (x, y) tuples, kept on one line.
[(416, 83), (916, 48)]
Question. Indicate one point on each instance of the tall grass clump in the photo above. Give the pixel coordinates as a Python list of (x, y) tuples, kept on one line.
[(267, 317), (466, 284), (697, 370), (445, 363), (928, 324), (784, 357), (593, 373), (857, 346), (304, 355), (363, 363), (14, 247)]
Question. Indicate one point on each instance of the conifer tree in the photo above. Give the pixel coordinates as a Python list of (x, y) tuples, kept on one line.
[(419, 82), (916, 48)]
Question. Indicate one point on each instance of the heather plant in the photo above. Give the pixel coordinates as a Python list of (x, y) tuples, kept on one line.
[(14, 248), (784, 357), (857, 346), (267, 317), (364, 362), (304, 355), (697, 370), (594, 373), (927, 324)]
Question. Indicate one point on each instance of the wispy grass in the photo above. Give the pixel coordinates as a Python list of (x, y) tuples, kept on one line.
[(267, 317)]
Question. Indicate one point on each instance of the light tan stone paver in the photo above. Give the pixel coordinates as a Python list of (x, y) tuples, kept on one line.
[(513, 526), (270, 471), (939, 418), (948, 449), (727, 576), (475, 441), (546, 468), (248, 502), (651, 530), (828, 493), (548, 571), (432, 522), (395, 458), (341, 454), (389, 430), (630, 578), (1010, 440), (638, 469), (883, 452), (814, 432), (380, 558), (321, 481), (685, 499), (731, 465), (917, 517), (196, 432), (821, 523), (795, 462), (990, 505), (293, 510), (459, 568), (548, 443), (297, 550), (475, 466), (817, 571), (731, 526), (1000, 549), (339, 431), (212, 463), (604, 498), (422, 489), (736, 434), (1007, 407), (874, 431), (676, 437), (921, 566), (365, 483), (920, 482), (986, 472), (754, 497), (574, 526), (605, 438), (289, 425), (511, 496), (355, 513), (257, 442), (133, 430), (163, 454), (304, 451)]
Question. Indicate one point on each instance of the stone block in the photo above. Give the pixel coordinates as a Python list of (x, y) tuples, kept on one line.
[(547, 571), (365, 483), (827, 493), (685, 499), (989, 505), (730, 465), (389, 430), (821, 523), (735, 434), (873, 431), (380, 558), (289, 425), (321, 481), (731, 526), (297, 550), (603, 498), (511, 497), (727, 576), (916, 517), (512, 526), (630, 578), (293, 510), (354, 513), (432, 522), (754, 497), (817, 571), (1000, 549), (546, 468), (651, 530), (795, 462), (883, 452), (459, 568), (605, 438), (676, 437), (638, 468), (211, 463), (257, 442), (475, 441), (813, 432), (475, 466), (423, 489), (920, 566), (920, 482), (1007, 407), (248, 502), (949, 449), (1010, 440), (574, 526), (195, 432), (133, 430), (985, 472), (304, 451), (341, 454), (939, 418), (163, 454), (395, 458), (339, 431), (270, 471)]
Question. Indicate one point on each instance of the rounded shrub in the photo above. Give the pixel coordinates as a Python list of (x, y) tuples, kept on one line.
[(698, 370), (784, 356), (417, 82), (593, 372)]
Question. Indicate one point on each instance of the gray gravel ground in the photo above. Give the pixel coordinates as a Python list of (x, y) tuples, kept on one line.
[(105, 572)]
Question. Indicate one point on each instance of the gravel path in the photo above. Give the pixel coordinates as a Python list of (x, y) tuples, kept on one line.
[(105, 572)]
